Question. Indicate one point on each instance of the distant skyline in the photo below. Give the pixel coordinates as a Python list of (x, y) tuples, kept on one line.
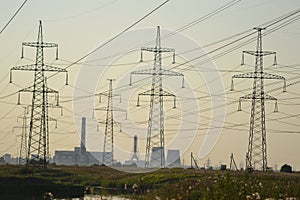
[(80, 26)]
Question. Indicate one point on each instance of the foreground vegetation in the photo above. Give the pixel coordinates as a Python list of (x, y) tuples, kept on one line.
[(164, 183)]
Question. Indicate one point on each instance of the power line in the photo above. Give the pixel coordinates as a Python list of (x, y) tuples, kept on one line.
[(9, 21), (116, 36)]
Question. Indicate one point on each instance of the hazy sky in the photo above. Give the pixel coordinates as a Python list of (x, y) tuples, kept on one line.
[(80, 26)]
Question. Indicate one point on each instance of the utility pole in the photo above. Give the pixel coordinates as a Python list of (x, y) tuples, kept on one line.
[(232, 163), (256, 157), (155, 144), (38, 141), (108, 147), (193, 160)]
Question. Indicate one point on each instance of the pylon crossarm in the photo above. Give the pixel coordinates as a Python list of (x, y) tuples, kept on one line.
[(101, 108), (31, 67), (246, 97), (50, 68), (159, 50), (54, 105), (170, 73), (268, 97), (141, 72), (165, 93), (28, 89), (272, 76), (100, 122), (275, 76), (246, 75), (118, 109), (144, 72), (148, 93), (249, 96), (37, 44), (262, 53), (112, 109), (32, 89), (106, 94), (49, 90)]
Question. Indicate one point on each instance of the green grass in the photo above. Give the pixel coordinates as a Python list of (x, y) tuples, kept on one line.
[(164, 183)]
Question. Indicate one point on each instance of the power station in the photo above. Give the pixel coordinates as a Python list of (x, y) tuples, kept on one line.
[(80, 155)]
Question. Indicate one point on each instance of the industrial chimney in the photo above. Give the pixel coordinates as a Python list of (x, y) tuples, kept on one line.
[(134, 156), (83, 136)]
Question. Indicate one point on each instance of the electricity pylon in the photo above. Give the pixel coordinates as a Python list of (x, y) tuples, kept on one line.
[(256, 157), (23, 146), (155, 134), (22, 149), (108, 147), (38, 141)]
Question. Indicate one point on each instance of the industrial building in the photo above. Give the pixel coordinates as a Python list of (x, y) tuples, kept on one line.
[(173, 158), (79, 156)]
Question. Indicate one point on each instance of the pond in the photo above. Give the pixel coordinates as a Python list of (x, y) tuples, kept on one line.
[(85, 197), (97, 197)]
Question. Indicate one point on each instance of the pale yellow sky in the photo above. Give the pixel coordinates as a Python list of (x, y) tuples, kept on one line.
[(80, 26)]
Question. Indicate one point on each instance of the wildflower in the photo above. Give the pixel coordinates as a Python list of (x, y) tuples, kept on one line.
[(257, 196), (134, 186)]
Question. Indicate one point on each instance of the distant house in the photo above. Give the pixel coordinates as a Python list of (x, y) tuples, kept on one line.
[(286, 168)]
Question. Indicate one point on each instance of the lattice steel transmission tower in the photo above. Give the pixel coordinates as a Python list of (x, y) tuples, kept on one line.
[(38, 137), (108, 147), (256, 157), (155, 145), (23, 146)]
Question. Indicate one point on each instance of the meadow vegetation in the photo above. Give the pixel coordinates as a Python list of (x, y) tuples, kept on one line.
[(160, 184)]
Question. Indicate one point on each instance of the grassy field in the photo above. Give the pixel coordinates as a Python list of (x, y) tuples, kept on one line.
[(164, 183)]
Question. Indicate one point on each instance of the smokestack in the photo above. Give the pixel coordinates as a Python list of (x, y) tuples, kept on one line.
[(83, 135), (135, 156), (135, 144)]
